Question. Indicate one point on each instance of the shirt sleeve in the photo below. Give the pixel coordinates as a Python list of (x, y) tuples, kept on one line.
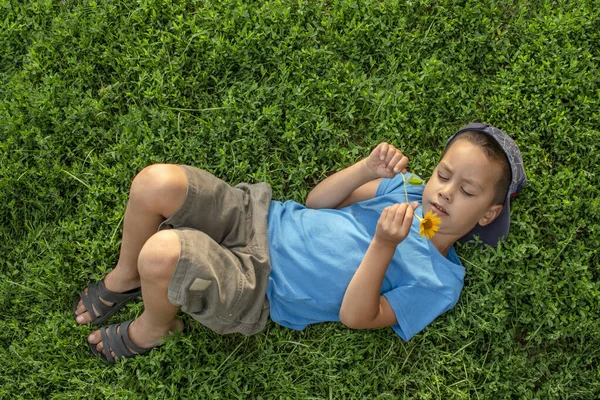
[(388, 185), (415, 308)]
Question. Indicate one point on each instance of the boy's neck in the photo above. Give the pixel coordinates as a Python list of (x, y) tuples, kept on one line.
[(443, 243)]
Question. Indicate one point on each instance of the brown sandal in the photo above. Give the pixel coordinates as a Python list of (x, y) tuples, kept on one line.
[(100, 312), (118, 343)]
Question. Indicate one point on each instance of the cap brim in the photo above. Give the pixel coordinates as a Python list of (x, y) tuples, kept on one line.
[(493, 232)]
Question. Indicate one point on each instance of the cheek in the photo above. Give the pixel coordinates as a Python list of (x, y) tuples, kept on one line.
[(426, 196), (474, 211), (429, 188)]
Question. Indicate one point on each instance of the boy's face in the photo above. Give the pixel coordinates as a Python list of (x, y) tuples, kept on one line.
[(461, 189)]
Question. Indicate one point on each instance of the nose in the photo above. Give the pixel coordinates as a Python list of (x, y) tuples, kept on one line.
[(446, 193)]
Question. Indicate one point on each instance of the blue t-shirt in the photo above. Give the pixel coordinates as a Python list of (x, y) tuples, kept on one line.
[(315, 253)]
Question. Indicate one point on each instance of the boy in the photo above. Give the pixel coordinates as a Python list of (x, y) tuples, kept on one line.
[(231, 257)]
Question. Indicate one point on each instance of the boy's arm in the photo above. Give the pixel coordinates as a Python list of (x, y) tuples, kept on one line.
[(359, 181), (363, 307)]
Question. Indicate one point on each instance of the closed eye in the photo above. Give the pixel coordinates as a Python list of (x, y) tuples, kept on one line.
[(467, 193), (442, 178)]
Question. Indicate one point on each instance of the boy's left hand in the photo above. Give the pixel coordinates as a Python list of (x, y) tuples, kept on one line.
[(385, 161), (394, 223)]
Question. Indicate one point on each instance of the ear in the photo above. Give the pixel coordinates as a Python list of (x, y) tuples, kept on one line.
[(491, 214)]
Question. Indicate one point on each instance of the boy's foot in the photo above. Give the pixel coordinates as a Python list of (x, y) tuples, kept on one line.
[(128, 339), (104, 298)]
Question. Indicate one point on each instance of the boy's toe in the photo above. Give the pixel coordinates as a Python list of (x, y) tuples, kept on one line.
[(80, 308), (83, 318), (94, 337)]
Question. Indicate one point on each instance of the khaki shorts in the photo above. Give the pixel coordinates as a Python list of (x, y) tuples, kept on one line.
[(223, 269)]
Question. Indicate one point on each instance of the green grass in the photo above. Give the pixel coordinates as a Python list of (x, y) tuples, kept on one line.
[(287, 92)]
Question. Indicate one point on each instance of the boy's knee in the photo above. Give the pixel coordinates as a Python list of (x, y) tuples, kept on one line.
[(159, 256), (160, 187)]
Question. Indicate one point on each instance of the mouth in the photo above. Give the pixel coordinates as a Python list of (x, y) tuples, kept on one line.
[(438, 209)]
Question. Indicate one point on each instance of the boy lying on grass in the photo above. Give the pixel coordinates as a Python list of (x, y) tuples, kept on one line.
[(230, 257)]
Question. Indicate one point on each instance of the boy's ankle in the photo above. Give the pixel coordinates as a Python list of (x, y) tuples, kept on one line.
[(119, 282)]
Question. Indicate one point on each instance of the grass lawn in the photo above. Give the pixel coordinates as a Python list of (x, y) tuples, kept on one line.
[(287, 92)]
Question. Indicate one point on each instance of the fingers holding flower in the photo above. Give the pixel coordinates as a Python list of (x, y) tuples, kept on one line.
[(394, 224)]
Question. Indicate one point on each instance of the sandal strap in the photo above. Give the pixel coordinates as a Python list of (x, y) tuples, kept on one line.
[(129, 343), (116, 338), (95, 291), (106, 354), (87, 303)]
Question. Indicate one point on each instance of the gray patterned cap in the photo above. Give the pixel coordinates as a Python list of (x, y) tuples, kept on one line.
[(491, 233)]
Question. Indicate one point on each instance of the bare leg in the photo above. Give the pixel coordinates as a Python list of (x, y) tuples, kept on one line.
[(156, 193), (157, 261)]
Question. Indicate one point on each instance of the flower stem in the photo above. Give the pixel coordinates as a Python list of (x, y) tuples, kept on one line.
[(406, 194)]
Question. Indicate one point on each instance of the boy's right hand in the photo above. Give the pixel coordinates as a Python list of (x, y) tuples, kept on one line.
[(385, 161), (394, 223)]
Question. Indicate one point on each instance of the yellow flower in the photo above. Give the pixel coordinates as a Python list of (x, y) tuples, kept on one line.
[(429, 225)]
